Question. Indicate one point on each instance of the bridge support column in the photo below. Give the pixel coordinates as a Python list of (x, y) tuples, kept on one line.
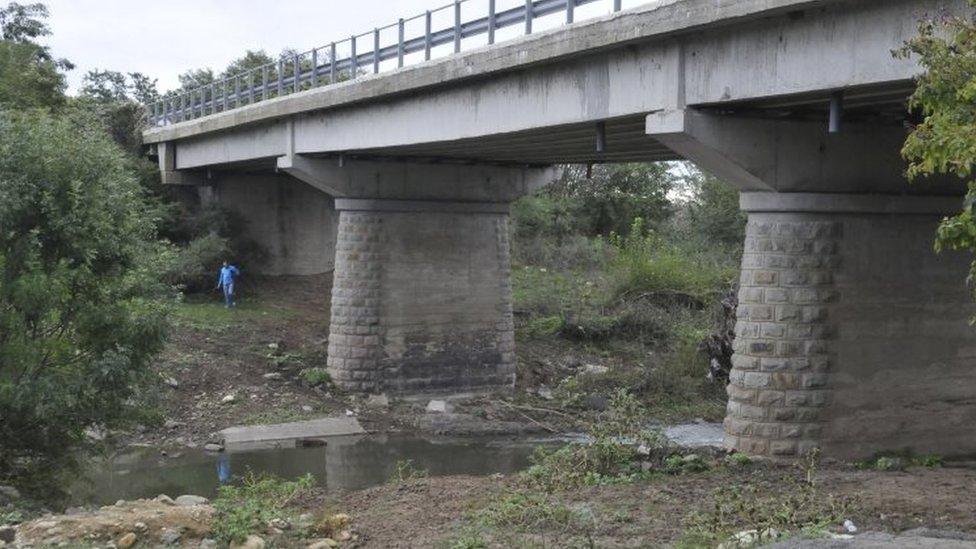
[(852, 334), (421, 300)]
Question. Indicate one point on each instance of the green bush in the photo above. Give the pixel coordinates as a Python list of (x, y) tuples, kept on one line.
[(78, 318), (247, 508)]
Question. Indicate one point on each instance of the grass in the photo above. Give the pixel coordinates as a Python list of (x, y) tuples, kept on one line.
[(748, 513), (244, 509), (200, 313)]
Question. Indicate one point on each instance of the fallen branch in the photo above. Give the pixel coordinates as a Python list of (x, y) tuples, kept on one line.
[(528, 417), (535, 409)]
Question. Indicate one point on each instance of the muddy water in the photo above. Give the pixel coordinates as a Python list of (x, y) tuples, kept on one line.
[(344, 463)]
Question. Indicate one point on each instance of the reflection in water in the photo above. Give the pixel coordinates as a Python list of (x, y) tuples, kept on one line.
[(344, 463)]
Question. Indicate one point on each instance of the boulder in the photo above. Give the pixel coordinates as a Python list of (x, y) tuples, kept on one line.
[(440, 407), (326, 543), (126, 541), (252, 542), (188, 500), (7, 534)]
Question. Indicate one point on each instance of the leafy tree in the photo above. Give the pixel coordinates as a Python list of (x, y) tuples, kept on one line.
[(78, 318), (714, 210), (252, 59), (28, 79), (945, 141), (23, 22)]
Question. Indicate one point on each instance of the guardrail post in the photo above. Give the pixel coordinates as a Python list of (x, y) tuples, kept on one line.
[(457, 26), (281, 76), (332, 63), (400, 43), (237, 91), (354, 63), (570, 6), (315, 67), (264, 82), (213, 98), (427, 36), (528, 16), (296, 85), (226, 89), (491, 21), (250, 87), (616, 5), (376, 50)]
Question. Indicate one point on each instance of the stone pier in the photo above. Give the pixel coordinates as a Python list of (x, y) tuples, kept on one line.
[(422, 294), (422, 298), (853, 335)]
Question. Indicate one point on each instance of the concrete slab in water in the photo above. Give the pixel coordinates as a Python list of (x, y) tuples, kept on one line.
[(267, 435), (694, 435)]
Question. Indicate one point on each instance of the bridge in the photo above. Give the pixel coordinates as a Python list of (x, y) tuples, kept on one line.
[(852, 335)]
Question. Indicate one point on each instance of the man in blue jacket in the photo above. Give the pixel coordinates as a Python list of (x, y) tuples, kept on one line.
[(225, 280)]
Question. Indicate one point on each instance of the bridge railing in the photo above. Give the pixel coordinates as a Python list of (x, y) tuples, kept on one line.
[(358, 55)]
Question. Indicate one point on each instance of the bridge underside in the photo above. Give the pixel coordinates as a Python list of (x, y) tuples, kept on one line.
[(853, 335)]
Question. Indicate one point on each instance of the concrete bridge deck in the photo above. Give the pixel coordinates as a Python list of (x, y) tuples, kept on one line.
[(853, 335)]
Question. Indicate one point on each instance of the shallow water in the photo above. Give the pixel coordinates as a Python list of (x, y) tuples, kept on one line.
[(344, 463)]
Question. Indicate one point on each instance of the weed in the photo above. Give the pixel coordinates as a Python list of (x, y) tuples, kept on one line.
[(244, 509), (405, 471), (738, 460), (316, 376), (610, 458), (544, 326), (793, 504), (899, 462)]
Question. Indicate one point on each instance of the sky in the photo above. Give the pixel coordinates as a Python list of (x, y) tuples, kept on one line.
[(164, 39)]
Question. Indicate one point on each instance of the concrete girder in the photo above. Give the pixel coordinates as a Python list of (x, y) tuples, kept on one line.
[(757, 154), (416, 181)]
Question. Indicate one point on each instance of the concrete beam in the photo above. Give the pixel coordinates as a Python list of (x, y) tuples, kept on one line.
[(167, 167), (757, 154), (415, 181)]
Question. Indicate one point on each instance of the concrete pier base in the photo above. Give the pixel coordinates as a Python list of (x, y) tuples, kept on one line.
[(853, 335), (421, 300)]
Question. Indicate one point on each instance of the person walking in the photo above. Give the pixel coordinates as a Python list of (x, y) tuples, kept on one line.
[(225, 280)]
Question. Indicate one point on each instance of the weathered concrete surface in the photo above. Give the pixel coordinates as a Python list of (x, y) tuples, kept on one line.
[(490, 104), (853, 335), (421, 299), (261, 435), (293, 223)]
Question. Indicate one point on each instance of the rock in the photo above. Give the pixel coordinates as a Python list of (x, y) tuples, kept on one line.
[(279, 523), (440, 407), (71, 511), (213, 447), (274, 346), (172, 424), (164, 499), (545, 393), (188, 500), (8, 493), (307, 409), (324, 544), (170, 537), (252, 542), (228, 399), (850, 527), (595, 369), (208, 543), (171, 381), (126, 541), (7, 534), (596, 402), (691, 458), (350, 413), (272, 376), (643, 450), (345, 535), (140, 527), (378, 401)]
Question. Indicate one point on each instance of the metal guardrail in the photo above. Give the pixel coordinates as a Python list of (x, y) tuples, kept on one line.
[(321, 66)]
